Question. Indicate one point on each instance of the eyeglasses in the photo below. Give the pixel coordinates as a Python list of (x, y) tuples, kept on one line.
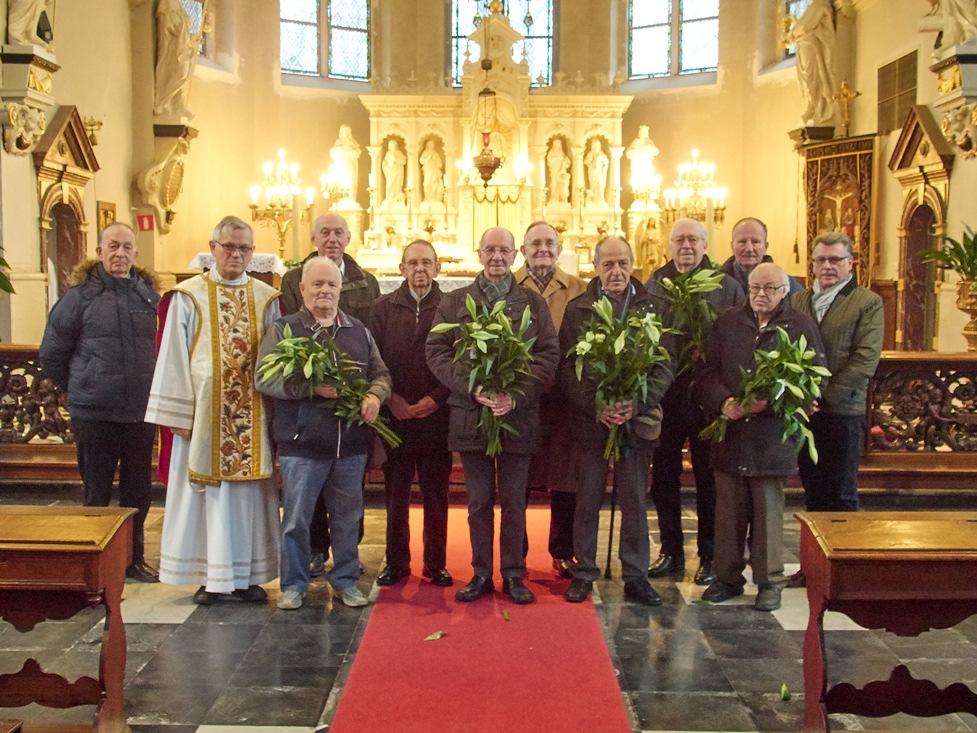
[(240, 249), (690, 238), (492, 251), (833, 260), (766, 289)]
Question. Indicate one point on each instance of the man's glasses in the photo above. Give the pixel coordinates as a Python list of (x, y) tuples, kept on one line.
[(492, 251), (833, 260), (690, 238), (239, 249), (765, 289)]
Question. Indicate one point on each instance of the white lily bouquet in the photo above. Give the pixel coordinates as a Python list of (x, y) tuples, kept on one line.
[(616, 356)]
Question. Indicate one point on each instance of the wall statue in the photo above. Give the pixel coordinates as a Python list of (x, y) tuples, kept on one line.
[(958, 20), (814, 38), (392, 165), (432, 173), (558, 165), (28, 23), (345, 155), (176, 56), (641, 153), (597, 163)]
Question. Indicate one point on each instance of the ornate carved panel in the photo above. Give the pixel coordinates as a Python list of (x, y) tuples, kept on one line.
[(32, 409)]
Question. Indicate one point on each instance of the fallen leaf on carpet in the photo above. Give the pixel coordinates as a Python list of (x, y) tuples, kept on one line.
[(784, 692), (435, 636), (505, 615)]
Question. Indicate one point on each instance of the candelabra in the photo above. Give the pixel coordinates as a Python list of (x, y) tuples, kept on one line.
[(695, 194), (335, 184), (278, 194)]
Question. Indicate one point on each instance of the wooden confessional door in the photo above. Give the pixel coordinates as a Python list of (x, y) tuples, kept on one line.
[(918, 299), (66, 246)]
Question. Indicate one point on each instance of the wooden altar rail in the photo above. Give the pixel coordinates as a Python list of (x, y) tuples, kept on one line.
[(922, 422)]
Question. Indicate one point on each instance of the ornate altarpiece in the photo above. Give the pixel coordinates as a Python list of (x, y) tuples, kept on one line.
[(840, 189)]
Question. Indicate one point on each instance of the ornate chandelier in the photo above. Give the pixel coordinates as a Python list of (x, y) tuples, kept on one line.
[(695, 194), (282, 198)]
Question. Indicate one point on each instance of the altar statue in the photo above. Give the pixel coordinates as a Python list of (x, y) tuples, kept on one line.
[(345, 154), (641, 153), (558, 165), (176, 55), (814, 38), (597, 162), (432, 173), (392, 166), (28, 23), (958, 18)]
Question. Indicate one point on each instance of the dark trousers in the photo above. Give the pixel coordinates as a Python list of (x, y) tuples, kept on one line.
[(483, 473), (666, 482), (562, 505), (104, 445), (751, 512), (830, 485), (433, 473), (630, 480)]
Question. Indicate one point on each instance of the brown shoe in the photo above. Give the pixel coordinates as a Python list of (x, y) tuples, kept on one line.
[(142, 572)]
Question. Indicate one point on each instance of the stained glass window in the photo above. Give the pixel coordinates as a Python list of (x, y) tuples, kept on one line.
[(195, 10), (670, 37), (531, 18), (349, 39), (299, 36), (795, 8)]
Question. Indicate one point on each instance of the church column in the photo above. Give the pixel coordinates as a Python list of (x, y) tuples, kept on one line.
[(616, 152), (374, 184), (539, 174), (413, 182), (576, 188)]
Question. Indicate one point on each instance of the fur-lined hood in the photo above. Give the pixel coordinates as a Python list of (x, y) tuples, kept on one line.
[(83, 271)]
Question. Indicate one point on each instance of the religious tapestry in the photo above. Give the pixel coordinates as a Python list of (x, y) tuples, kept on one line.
[(839, 186)]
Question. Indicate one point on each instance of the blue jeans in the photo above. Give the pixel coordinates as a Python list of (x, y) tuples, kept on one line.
[(341, 482)]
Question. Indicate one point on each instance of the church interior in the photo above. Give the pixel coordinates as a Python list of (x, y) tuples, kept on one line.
[(435, 120)]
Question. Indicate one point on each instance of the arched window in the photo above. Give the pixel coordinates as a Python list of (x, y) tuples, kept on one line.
[(346, 44), (672, 37), (195, 10), (795, 9), (532, 18)]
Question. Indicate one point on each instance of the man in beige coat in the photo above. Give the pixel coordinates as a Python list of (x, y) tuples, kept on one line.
[(550, 468)]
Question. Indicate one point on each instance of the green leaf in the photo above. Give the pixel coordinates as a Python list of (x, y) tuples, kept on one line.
[(437, 634), (505, 615), (784, 692)]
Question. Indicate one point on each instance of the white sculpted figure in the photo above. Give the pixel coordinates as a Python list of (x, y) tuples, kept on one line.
[(641, 154), (176, 55), (958, 18), (814, 37), (432, 173), (597, 162), (29, 23), (345, 155), (558, 165), (392, 166)]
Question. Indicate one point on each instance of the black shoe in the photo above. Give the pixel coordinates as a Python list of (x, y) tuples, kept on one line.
[(317, 565), (251, 594), (439, 577), (768, 598), (142, 572), (476, 588), (204, 597), (704, 575), (797, 580), (719, 591), (390, 575), (563, 568), (517, 591), (579, 590), (667, 565), (640, 591)]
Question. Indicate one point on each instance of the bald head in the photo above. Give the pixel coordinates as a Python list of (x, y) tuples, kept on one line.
[(320, 287), (330, 235), (768, 287)]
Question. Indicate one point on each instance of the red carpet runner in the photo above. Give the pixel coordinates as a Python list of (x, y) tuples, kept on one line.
[(546, 668)]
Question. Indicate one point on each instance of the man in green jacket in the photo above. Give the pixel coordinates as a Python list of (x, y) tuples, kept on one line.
[(851, 324)]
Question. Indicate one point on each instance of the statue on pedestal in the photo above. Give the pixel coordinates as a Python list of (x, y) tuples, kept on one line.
[(597, 163), (176, 56), (814, 38), (28, 23), (345, 154), (558, 164), (958, 20), (432, 173), (641, 153), (392, 165)]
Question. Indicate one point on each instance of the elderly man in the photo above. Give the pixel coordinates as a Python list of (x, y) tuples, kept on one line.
[(850, 320), (749, 243), (614, 263), (753, 460), (319, 452), (400, 324), (682, 418), (330, 237), (508, 470), (220, 526), (100, 347), (550, 467)]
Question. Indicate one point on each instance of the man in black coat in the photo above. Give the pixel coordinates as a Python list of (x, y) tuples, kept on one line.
[(510, 469), (99, 346), (749, 245), (400, 324), (682, 418)]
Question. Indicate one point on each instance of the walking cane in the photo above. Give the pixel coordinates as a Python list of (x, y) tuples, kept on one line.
[(610, 535)]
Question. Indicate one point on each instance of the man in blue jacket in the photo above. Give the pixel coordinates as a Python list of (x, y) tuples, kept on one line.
[(100, 347)]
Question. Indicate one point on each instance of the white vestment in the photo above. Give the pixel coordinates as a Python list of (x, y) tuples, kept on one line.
[(223, 535)]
